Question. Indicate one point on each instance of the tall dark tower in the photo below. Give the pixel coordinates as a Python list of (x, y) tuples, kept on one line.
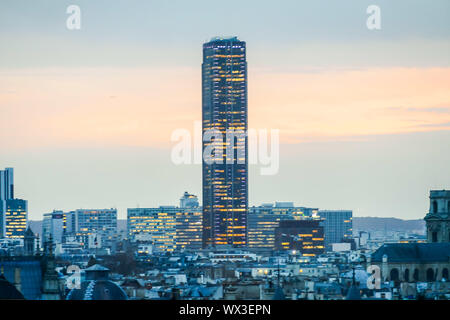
[(225, 176), (6, 193)]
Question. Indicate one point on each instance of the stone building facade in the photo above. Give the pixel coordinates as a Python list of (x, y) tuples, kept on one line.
[(420, 262), (438, 217), (413, 262)]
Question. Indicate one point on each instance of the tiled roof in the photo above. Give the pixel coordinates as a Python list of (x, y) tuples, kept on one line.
[(413, 252)]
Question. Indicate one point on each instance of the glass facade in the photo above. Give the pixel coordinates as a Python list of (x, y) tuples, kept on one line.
[(168, 228), (102, 222), (263, 220), (15, 218), (7, 184), (225, 170), (305, 236), (55, 225), (189, 229), (338, 226)]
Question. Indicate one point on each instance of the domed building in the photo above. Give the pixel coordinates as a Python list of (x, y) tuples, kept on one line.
[(97, 286)]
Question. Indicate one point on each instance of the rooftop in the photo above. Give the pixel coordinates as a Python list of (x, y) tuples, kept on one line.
[(233, 38), (413, 252)]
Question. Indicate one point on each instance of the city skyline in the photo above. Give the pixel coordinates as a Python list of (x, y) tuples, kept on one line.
[(363, 115), (194, 155)]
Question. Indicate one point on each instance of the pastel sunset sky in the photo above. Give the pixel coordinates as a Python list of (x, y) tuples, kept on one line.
[(364, 116)]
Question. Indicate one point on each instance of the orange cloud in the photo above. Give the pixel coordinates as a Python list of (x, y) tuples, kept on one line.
[(328, 105), (141, 107)]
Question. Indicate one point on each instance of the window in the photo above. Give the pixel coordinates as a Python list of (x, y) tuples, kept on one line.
[(435, 206), (407, 275), (430, 275), (445, 274), (394, 274), (416, 275), (434, 236)]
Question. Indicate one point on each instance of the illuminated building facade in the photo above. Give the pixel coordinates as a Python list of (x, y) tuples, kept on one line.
[(189, 229), (56, 225), (169, 228), (305, 236), (7, 184), (263, 220), (225, 169), (96, 222), (338, 226), (158, 223), (16, 218)]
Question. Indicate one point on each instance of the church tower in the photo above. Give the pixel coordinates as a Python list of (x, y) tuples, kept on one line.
[(438, 218), (28, 242)]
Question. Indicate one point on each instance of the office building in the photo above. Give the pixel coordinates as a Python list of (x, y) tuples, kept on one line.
[(156, 225), (57, 225), (16, 215), (100, 225), (189, 229), (305, 236), (169, 228), (338, 226), (225, 165), (263, 220), (7, 184)]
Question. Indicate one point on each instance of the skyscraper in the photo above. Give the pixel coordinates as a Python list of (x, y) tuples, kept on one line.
[(6, 193), (225, 156), (7, 184)]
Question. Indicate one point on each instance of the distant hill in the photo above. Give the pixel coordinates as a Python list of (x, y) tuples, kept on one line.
[(388, 224)]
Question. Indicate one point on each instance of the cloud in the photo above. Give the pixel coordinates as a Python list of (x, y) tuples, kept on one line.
[(74, 107), (436, 125), (443, 110)]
